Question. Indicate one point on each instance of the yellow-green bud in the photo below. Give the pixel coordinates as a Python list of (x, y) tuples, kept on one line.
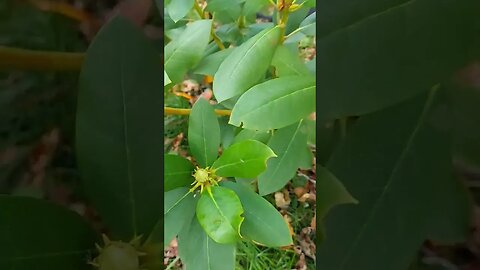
[(201, 175), (118, 256)]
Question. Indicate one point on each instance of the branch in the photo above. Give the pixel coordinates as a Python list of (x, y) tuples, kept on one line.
[(64, 9), (177, 111), (22, 59)]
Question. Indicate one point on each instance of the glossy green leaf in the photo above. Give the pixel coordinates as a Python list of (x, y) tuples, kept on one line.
[(263, 223), (36, 234), (166, 79), (169, 24), (246, 65), (227, 132), (186, 51), (466, 121), (305, 159), (251, 7), (312, 65), (308, 26), (379, 53), (219, 212), (390, 167), (225, 11), (117, 102), (229, 33), (287, 63), (308, 3), (210, 64), (178, 172), (330, 192), (199, 252), (245, 159), (179, 208), (288, 143), (295, 18), (248, 134), (178, 9), (254, 29), (203, 133), (269, 105)]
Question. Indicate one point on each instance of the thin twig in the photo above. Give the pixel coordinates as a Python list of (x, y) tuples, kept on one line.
[(178, 111), (22, 59)]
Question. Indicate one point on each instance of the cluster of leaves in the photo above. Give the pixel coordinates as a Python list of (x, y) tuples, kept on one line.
[(258, 74)]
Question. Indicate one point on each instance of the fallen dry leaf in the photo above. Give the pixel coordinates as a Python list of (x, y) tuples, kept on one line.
[(299, 191), (282, 201), (307, 197), (313, 224), (306, 244), (301, 263), (288, 220)]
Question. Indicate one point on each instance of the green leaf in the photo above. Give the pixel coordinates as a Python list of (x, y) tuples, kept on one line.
[(312, 65), (179, 207), (308, 26), (466, 113), (178, 172), (246, 65), (166, 79), (200, 252), (245, 159), (36, 234), (117, 102), (275, 103), (251, 7), (225, 11), (288, 143), (254, 29), (305, 159), (295, 18), (179, 8), (263, 223), (288, 63), (330, 193), (227, 132), (379, 53), (229, 33), (186, 51), (219, 212), (390, 167), (203, 133), (308, 3), (248, 134), (210, 64)]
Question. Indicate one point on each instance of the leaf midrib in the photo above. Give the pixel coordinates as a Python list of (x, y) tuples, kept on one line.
[(291, 66), (278, 99), (391, 178), (187, 41), (232, 71), (125, 143), (238, 162), (221, 212), (270, 228), (288, 148)]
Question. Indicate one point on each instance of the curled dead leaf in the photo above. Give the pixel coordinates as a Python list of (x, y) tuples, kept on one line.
[(282, 201), (299, 191), (307, 197)]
